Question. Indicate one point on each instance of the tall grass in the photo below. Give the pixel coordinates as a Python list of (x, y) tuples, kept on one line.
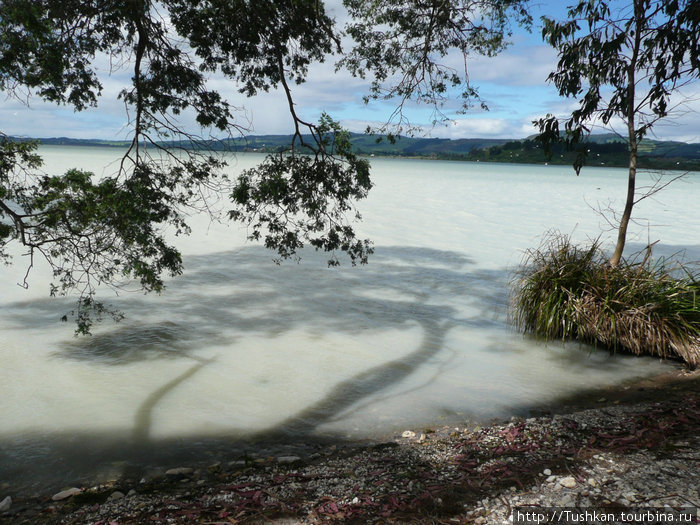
[(565, 291)]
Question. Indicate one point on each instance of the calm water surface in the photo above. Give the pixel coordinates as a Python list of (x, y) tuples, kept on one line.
[(239, 352)]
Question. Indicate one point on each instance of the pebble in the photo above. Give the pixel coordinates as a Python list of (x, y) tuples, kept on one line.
[(288, 459), (181, 471), (344, 477), (5, 504), (65, 494), (568, 482), (116, 495)]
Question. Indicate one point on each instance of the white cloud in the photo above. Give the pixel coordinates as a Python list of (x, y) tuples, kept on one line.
[(517, 66), (683, 123), (479, 127)]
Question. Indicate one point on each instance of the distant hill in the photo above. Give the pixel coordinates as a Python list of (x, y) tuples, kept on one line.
[(362, 143), (603, 149)]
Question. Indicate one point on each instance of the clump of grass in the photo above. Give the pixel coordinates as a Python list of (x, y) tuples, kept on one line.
[(565, 291)]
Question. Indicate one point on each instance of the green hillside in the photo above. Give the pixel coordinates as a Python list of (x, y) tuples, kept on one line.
[(603, 150)]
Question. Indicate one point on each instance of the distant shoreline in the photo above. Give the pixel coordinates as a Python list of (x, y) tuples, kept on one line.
[(607, 152)]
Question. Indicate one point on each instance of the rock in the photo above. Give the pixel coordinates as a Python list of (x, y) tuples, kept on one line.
[(547, 472), (5, 504), (131, 493), (408, 434), (288, 459), (551, 478), (480, 520), (569, 482), (592, 482), (181, 471), (65, 494), (116, 495), (214, 468), (355, 500)]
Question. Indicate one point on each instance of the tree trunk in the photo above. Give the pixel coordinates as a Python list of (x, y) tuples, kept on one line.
[(627, 213), (632, 137)]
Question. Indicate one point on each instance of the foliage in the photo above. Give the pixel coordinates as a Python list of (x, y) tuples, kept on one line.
[(106, 231), (634, 59), (289, 196), (564, 291), (112, 230), (622, 61), (404, 47)]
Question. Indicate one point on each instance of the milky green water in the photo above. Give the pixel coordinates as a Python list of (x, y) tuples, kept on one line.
[(239, 351)]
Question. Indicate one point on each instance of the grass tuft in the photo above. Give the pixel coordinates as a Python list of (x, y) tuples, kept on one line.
[(564, 291)]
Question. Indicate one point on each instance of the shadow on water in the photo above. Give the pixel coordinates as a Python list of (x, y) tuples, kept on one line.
[(143, 421), (404, 288), (346, 394), (227, 295)]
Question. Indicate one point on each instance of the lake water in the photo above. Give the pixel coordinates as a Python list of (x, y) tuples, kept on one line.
[(240, 353)]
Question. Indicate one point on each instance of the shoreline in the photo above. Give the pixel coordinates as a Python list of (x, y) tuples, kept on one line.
[(598, 452), (673, 166)]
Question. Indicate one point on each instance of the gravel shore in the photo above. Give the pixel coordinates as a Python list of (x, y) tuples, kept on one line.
[(634, 448)]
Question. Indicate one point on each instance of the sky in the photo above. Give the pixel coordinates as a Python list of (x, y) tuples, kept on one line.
[(512, 84)]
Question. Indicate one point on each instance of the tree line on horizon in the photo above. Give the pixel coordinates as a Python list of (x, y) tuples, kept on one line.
[(605, 149)]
